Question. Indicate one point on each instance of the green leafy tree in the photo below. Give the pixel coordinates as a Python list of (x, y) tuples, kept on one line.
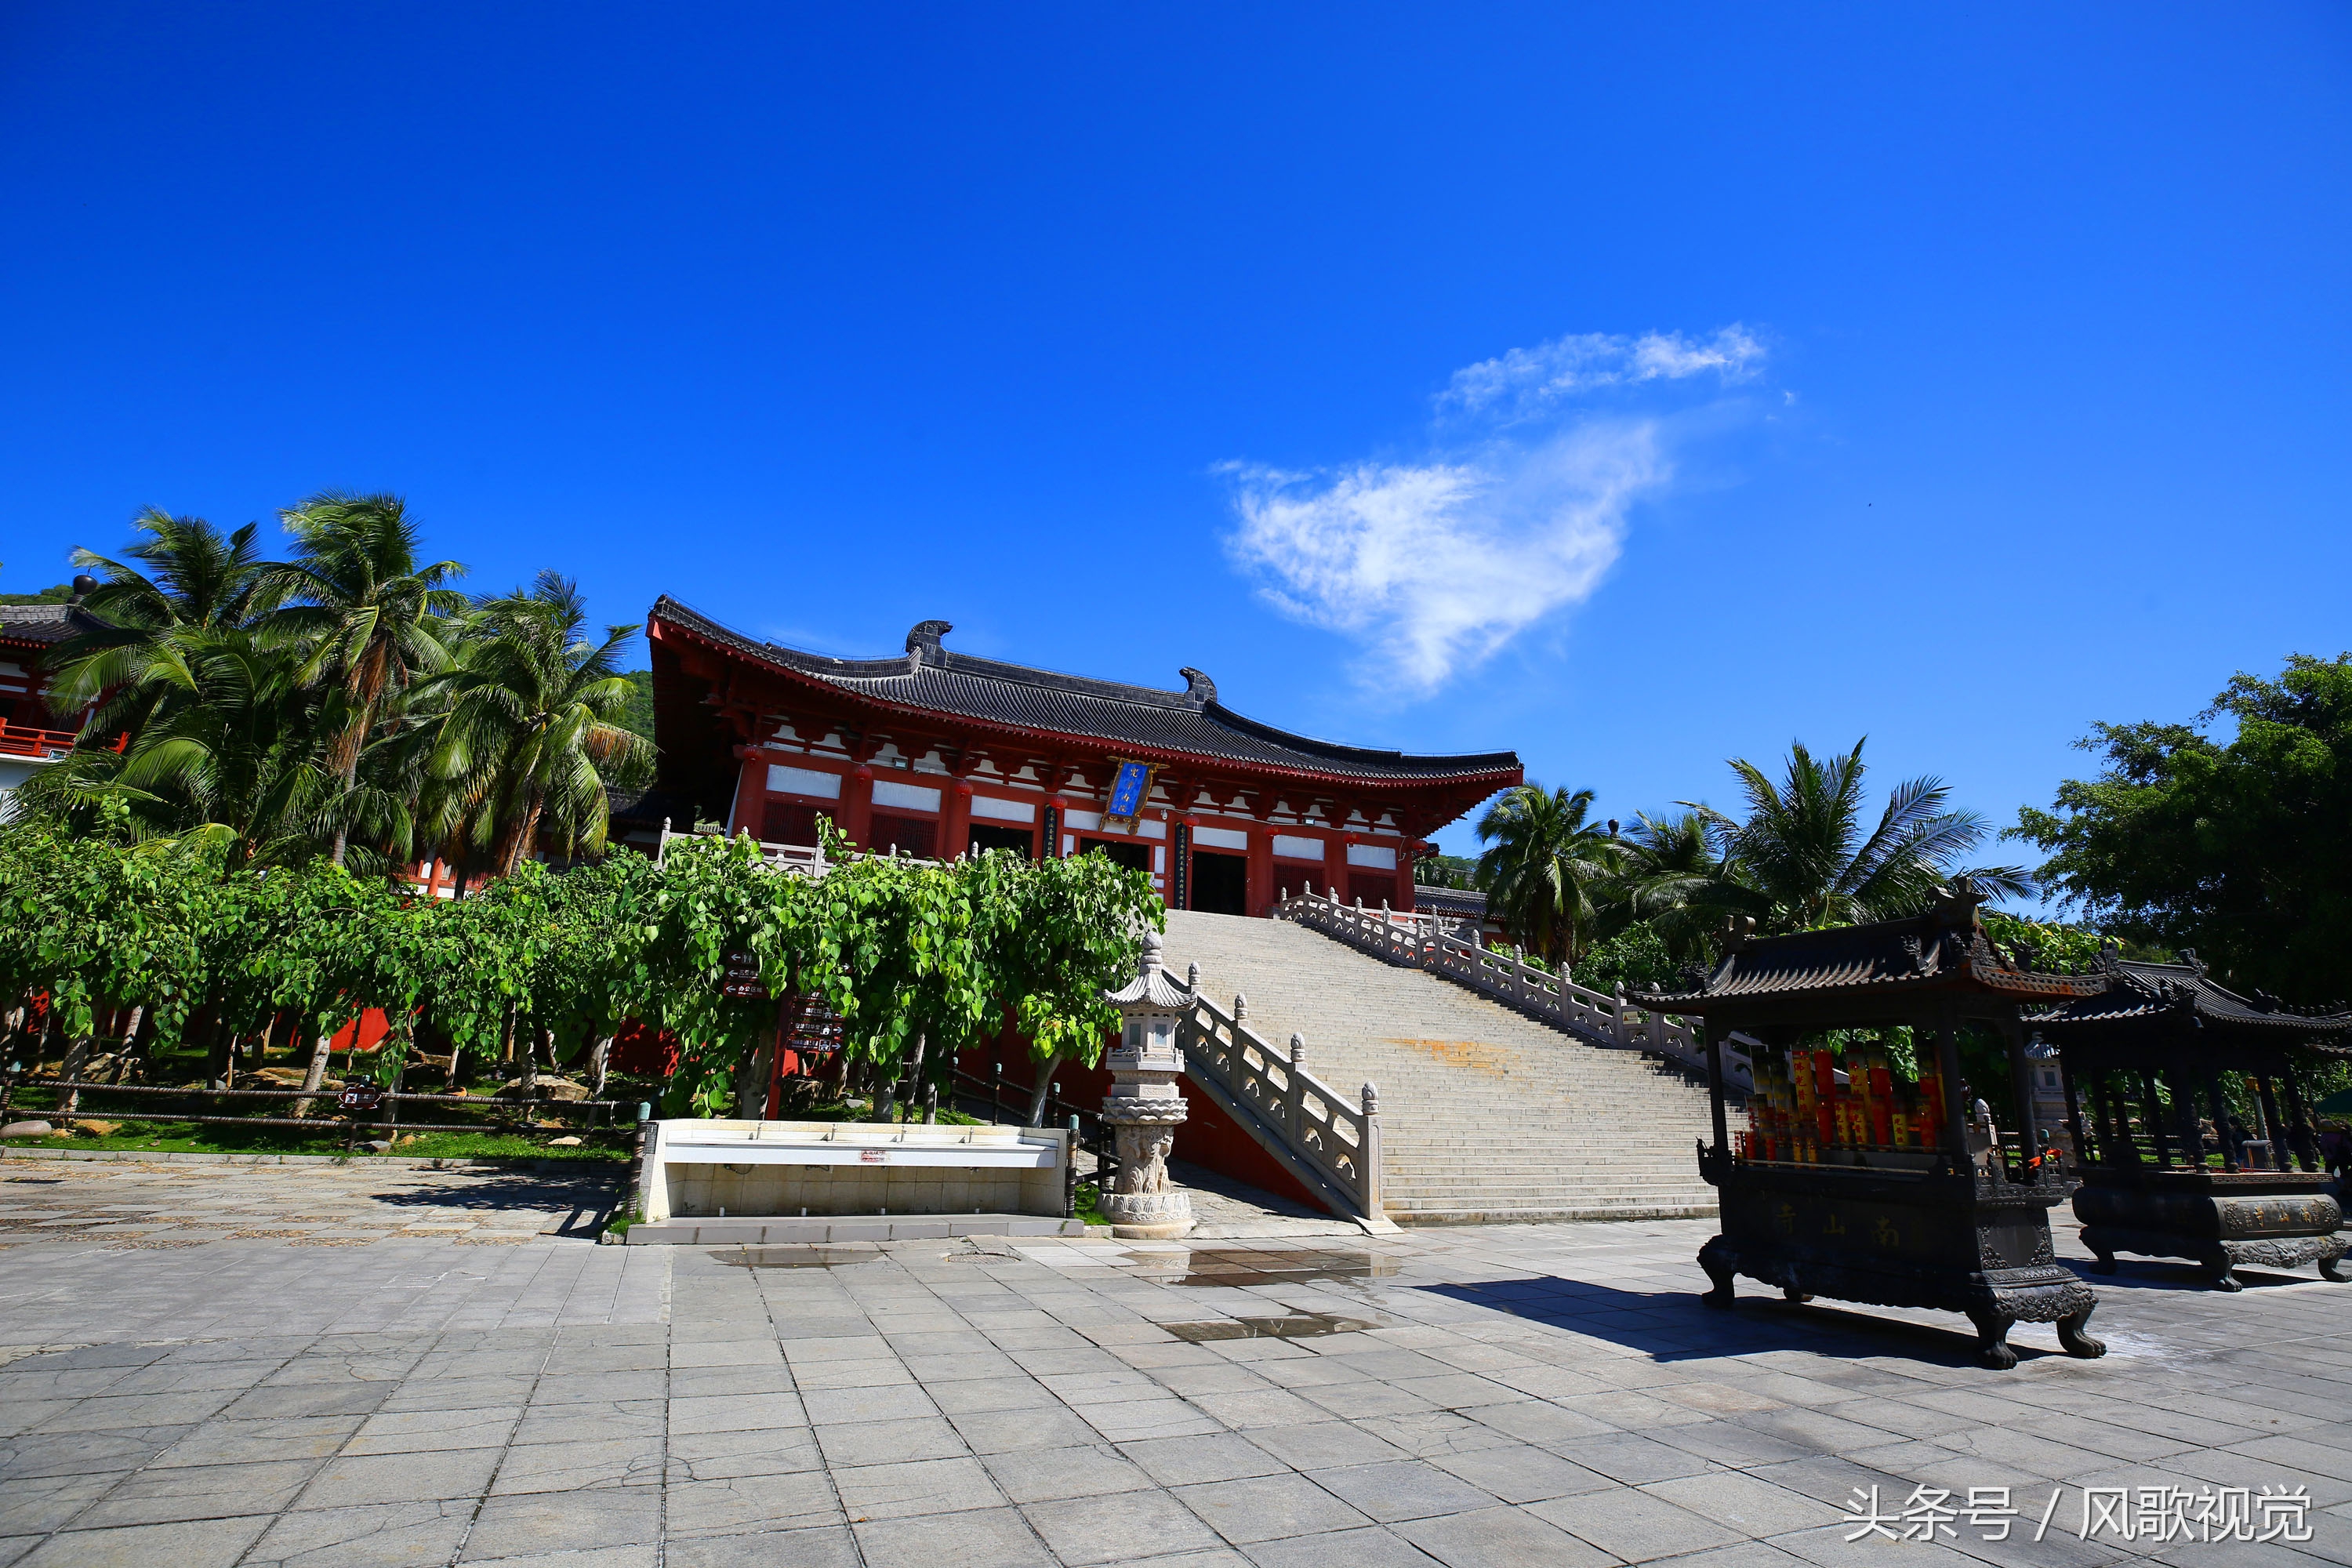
[(1059, 933), (2241, 848), (1637, 956), (1548, 868)]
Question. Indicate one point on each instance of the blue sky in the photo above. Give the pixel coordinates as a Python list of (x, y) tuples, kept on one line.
[(1634, 387)]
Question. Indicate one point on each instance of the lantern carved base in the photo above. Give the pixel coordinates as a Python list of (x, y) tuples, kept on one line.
[(1143, 1204)]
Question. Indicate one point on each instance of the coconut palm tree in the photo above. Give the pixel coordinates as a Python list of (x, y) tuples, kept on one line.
[(1675, 880), (180, 582), (533, 736), (1548, 867), (229, 747), (1806, 855), (368, 615)]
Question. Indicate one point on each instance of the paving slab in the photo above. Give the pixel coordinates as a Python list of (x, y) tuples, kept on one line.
[(1506, 1393)]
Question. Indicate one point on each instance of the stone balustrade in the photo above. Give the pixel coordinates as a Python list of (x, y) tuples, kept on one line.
[(1448, 947), (1331, 1144)]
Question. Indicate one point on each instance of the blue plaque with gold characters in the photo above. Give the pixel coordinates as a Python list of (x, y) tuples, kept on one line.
[(1130, 786)]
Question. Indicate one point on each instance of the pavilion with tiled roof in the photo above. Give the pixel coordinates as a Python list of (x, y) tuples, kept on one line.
[(933, 752)]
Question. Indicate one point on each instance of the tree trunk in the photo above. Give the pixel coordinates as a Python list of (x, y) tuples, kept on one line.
[(449, 1084), (1043, 1092), (365, 688), (130, 1041), (599, 1056), (531, 1044), (77, 1058), (316, 1074), (751, 1084), (219, 1054), (526, 837), (915, 1073)]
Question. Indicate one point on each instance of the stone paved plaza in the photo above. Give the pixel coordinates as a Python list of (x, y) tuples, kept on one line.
[(440, 1368)]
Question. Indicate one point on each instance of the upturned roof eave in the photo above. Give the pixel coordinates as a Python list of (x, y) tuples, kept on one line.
[(734, 644)]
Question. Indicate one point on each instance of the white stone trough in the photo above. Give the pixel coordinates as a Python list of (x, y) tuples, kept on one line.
[(754, 1183)]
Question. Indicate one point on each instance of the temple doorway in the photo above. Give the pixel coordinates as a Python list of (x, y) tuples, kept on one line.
[(1134, 857), (1220, 883), (1021, 840)]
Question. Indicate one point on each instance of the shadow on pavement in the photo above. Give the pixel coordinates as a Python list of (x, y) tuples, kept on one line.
[(1674, 1325)]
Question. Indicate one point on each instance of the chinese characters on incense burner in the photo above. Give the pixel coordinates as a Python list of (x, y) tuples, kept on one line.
[(1143, 1108)]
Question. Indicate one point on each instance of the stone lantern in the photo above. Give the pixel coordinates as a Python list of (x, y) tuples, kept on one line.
[(1143, 1107)]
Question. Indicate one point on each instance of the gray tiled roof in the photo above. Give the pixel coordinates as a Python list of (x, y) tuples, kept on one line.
[(40, 623), (1941, 950), (2141, 992), (928, 678)]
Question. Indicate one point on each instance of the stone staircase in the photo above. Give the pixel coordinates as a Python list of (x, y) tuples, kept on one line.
[(1487, 1116)]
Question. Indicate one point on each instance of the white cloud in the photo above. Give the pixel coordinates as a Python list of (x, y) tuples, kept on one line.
[(1438, 564), (1527, 382), (1435, 565)]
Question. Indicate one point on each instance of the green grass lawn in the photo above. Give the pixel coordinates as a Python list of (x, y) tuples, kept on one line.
[(213, 1138)]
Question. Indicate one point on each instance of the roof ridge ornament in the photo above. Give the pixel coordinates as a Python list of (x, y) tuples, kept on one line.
[(1197, 686), (923, 643), (1957, 905)]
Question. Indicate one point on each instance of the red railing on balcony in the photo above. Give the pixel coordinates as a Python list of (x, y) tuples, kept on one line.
[(24, 740)]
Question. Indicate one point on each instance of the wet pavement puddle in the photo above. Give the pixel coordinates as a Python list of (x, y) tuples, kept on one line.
[(796, 1257), (1299, 1326), (1238, 1266)]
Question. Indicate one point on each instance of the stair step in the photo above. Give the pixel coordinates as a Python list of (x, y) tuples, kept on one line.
[(1487, 1114)]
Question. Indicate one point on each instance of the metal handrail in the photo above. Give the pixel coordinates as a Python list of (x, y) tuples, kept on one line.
[(1427, 942)]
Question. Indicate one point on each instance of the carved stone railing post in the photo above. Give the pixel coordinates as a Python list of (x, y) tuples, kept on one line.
[(1295, 1096), (1371, 1150), (1316, 1134)]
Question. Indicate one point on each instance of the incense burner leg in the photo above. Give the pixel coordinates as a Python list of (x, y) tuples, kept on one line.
[(2077, 1342), (1716, 1258), (1992, 1338), (2332, 1268), (2102, 1246), (2217, 1264)]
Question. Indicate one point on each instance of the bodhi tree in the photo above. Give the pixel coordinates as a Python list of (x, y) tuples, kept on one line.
[(1060, 934), (2239, 846)]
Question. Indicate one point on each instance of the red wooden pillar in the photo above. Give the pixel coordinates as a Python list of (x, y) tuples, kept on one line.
[(1408, 856), (1261, 868), (751, 793), (955, 820), (858, 806)]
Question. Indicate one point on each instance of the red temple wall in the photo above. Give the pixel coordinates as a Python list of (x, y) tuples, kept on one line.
[(786, 818)]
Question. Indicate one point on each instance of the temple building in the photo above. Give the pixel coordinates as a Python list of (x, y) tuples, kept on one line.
[(933, 752), (31, 736)]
